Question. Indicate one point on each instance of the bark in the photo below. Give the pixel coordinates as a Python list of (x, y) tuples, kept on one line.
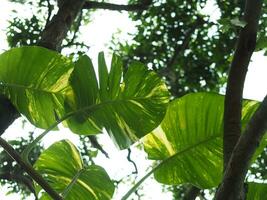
[(234, 91), (231, 187), (56, 30)]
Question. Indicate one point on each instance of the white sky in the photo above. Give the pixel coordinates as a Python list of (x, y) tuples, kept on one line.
[(97, 35)]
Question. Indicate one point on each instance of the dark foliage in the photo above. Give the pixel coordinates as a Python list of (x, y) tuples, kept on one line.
[(183, 44)]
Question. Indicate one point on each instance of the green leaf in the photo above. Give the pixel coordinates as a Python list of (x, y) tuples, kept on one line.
[(115, 77), (103, 77), (189, 140), (261, 43), (35, 79), (61, 165), (256, 191), (83, 81), (134, 106)]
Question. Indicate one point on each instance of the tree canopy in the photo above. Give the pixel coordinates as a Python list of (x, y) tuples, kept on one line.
[(200, 137)]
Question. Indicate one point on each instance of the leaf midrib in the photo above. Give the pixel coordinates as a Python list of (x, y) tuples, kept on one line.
[(187, 149), (14, 85)]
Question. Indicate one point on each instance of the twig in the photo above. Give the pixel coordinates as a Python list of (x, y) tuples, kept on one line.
[(96, 145), (131, 161), (29, 169)]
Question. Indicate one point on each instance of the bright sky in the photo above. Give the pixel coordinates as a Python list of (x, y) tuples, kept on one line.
[(97, 35)]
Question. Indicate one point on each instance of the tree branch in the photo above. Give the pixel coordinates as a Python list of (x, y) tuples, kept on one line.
[(56, 30), (117, 7), (29, 169), (235, 173), (234, 91)]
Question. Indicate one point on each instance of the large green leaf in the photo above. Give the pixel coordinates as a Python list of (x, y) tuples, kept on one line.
[(61, 165), (34, 79), (189, 140), (127, 107), (256, 191)]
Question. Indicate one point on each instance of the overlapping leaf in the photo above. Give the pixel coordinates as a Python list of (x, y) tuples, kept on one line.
[(127, 107), (61, 165), (256, 191), (34, 79), (189, 140)]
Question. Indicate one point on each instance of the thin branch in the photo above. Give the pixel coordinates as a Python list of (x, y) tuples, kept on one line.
[(117, 7), (96, 145), (29, 169), (131, 161), (77, 44), (239, 163), (234, 91)]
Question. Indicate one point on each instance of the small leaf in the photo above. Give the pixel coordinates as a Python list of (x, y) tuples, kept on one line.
[(256, 191), (61, 163), (261, 43)]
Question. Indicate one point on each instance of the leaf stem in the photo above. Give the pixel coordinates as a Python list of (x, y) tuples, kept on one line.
[(91, 108), (30, 170), (73, 181), (27, 150), (133, 189)]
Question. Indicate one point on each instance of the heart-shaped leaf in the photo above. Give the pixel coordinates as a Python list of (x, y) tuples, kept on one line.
[(34, 79), (189, 140), (127, 107), (62, 166)]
